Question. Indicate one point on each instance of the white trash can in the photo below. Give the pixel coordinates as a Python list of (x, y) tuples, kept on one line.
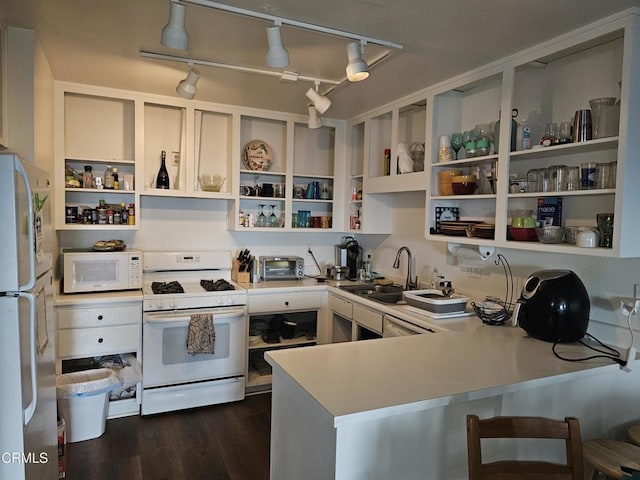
[(83, 401)]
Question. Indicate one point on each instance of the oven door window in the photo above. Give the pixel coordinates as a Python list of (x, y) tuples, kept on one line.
[(174, 345)]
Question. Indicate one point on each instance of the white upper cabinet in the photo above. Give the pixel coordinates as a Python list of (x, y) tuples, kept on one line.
[(287, 174), (546, 84), (95, 130)]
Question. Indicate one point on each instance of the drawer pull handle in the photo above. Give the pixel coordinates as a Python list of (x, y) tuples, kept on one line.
[(100, 317), (286, 303), (100, 340)]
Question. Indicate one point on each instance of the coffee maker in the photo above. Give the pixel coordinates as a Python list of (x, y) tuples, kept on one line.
[(349, 254)]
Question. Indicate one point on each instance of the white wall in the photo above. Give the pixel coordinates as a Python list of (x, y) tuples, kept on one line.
[(194, 224), (606, 279)]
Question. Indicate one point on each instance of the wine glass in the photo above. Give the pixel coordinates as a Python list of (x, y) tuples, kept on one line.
[(456, 142), (262, 218), (273, 219)]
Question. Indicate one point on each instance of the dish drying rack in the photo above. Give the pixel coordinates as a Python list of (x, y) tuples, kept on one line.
[(498, 316)]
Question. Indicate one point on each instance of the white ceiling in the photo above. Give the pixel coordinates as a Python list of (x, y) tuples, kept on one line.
[(98, 42)]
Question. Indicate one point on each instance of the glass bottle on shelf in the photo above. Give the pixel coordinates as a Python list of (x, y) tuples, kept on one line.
[(116, 180), (87, 177), (162, 180), (108, 178)]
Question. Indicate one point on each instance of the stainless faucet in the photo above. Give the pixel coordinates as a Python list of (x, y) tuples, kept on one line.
[(410, 284)]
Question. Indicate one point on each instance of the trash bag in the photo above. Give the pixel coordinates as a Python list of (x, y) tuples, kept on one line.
[(128, 370), (86, 383)]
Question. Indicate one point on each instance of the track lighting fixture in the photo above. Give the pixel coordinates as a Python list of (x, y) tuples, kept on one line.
[(320, 102), (174, 34), (314, 119), (277, 55), (357, 68), (187, 87)]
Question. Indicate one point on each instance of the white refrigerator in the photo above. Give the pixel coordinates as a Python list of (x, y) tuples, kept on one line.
[(28, 420)]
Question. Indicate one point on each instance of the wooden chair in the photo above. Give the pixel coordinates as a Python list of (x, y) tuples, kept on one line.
[(524, 427)]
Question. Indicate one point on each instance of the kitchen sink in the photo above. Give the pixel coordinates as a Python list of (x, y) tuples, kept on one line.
[(379, 293)]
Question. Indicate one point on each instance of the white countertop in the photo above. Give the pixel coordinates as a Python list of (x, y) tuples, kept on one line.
[(93, 298), (371, 379)]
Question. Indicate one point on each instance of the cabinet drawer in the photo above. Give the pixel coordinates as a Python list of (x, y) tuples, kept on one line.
[(342, 307), (74, 317), (89, 342), (279, 302), (368, 318)]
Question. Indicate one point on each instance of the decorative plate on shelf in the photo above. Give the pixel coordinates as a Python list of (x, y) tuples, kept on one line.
[(257, 155), (109, 246)]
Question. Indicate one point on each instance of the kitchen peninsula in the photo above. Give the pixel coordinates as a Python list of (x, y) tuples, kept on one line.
[(396, 408)]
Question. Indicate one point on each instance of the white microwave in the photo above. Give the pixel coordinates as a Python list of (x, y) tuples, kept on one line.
[(88, 271)]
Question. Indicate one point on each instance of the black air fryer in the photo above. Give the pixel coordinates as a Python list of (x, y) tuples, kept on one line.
[(553, 306)]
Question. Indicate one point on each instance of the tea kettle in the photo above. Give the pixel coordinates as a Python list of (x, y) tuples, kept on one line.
[(553, 306), (349, 254)]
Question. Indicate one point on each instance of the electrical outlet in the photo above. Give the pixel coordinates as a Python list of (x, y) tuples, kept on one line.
[(629, 306), (472, 271), (176, 158)]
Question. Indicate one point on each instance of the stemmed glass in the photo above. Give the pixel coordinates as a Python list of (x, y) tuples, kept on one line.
[(262, 218), (456, 142), (273, 219)]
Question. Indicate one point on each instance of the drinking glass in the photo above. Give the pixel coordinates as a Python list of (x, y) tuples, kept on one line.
[(456, 142), (273, 219), (605, 225), (469, 140), (262, 218)]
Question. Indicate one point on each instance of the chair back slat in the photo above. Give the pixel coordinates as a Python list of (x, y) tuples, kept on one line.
[(524, 427)]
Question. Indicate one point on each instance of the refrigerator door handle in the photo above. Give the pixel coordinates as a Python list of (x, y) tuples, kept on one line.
[(31, 408), (31, 282)]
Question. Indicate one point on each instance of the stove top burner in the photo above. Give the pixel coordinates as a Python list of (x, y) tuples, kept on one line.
[(216, 285), (161, 288)]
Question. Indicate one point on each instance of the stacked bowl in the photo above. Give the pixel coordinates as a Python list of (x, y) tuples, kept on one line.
[(464, 184), (445, 179)]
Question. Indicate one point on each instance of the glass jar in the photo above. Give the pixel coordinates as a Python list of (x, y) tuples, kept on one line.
[(535, 177), (573, 178), (557, 178), (603, 172)]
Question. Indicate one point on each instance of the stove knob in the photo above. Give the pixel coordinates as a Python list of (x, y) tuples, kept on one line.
[(173, 304)]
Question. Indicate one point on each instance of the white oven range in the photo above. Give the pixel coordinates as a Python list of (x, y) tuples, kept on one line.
[(174, 289)]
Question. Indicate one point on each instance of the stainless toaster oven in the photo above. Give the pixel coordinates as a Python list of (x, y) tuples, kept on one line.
[(281, 268)]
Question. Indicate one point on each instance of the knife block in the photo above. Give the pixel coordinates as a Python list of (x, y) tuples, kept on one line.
[(238, 276)]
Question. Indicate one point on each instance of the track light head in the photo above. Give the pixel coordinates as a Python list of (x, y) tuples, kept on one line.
[(174, 34), (357, 68), (277, 55), (314, 119), (320, 102), (187, 87)]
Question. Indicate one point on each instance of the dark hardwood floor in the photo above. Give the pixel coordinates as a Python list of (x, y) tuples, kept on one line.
[(228, 441)]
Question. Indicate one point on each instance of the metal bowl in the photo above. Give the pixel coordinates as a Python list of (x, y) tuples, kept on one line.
[(550, 234)]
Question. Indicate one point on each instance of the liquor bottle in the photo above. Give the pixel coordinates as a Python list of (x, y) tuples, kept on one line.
[(116, 180), (162, 180)]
